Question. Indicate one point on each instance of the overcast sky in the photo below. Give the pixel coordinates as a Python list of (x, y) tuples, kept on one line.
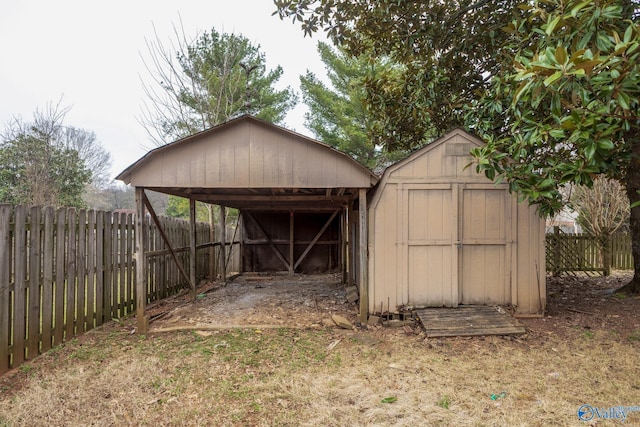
[(89, 53)]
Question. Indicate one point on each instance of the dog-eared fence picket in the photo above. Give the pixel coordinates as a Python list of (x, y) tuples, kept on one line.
[(65, 271)]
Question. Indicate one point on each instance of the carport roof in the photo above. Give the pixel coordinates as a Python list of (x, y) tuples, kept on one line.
[(247, 162)]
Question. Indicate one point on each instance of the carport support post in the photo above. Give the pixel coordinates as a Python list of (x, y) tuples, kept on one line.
[(343, 244), (192, 246), (212, 239), (362, 249), (291, 243), (141, 277), (223, 243)]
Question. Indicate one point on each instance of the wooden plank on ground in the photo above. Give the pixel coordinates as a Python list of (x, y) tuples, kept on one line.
[(468, 321), (5, 279)]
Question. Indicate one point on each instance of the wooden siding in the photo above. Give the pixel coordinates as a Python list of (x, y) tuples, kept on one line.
[(443, 235), (247, 154)]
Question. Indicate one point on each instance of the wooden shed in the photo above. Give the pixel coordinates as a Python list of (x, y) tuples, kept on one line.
[(441, 234), (300, 201)]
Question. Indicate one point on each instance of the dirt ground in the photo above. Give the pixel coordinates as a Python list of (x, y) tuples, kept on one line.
[(588, 304), (277, 300), (585, 351), (302, 301)]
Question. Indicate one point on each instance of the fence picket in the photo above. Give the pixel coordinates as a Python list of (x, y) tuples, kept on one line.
[(81, 272), (131, 298), (90, 318), (113, 266), (100, 268), (47, 278), (70, 306), (107, 256), (5, 285), (33, 296), (60, 256), (19, 293), (122, 299)]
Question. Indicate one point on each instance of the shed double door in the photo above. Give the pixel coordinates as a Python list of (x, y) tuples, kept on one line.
[(457, 244)]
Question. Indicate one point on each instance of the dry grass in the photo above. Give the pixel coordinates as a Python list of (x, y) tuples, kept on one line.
[(291, 377)]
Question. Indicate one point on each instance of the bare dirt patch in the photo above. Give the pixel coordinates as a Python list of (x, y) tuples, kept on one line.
[(296, 301), (584, 305)]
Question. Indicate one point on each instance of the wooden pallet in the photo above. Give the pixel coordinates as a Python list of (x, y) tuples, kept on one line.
[(468, 321)]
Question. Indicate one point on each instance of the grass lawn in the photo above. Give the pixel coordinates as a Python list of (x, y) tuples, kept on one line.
[(322, 377)]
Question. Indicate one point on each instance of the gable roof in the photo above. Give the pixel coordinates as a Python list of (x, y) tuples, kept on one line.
[(453, 134), (247, 155)]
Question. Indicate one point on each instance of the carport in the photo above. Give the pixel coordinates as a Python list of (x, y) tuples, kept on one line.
[(302, 204)]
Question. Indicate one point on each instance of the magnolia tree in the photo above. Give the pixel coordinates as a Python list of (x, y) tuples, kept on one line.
[(568, 112), (551, 85)]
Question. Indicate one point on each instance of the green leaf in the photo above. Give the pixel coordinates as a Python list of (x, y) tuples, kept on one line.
[(628, 34), (578, 7), (606, 144), (561, 55), (552, 78), (552, 25), (589, 151), (623, 100), (557, 133), (389, 399)]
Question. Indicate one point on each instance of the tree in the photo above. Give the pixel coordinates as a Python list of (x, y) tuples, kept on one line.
[(201, 83), (178, 207), (92, 153), (568, 112), (37, 166), (444, 52), (602, 210), (337, 115), (198, 84)]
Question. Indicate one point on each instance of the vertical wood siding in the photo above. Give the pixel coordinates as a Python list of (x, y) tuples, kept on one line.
[(443, 235)]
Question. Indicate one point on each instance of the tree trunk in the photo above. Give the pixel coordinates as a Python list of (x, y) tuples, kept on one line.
[(605, 252), (633, 192)]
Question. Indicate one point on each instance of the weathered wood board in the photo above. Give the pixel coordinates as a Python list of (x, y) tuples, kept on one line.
[(468, 321)]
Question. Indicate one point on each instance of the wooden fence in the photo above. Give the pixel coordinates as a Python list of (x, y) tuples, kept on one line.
[(572, 253), (63, 272)]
